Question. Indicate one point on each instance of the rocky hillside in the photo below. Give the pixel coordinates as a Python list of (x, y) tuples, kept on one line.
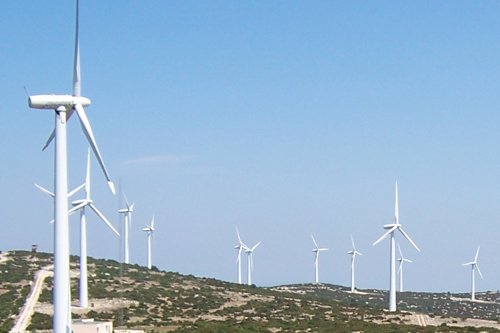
[(134, 297)]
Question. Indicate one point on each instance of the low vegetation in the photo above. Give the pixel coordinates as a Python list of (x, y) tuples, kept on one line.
[(132, 296)]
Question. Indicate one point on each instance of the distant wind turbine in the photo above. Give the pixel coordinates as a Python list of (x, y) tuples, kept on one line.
[(240, 247), (149, 229), (474, 267), (249, 252), (391, 231), (316, 251), (127, 212), (64, 106), (353, 254), (401, 260), (81, 205)]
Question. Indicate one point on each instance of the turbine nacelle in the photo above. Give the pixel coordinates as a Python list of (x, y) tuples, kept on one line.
[(81, 202), (320, 249), (52, 102)]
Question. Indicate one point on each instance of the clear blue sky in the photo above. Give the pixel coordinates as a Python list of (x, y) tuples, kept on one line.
[(282, 118)]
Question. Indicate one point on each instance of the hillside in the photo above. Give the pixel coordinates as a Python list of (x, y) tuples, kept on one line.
[(134, 297)]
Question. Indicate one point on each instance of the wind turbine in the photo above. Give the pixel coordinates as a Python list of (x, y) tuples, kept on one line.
[(392, 228), (127, 212), (240, 247), (474, 266), (316, 251), (81, 205), (149, 229), (353, 254), (249, 252), (401, 260), (64, 106)]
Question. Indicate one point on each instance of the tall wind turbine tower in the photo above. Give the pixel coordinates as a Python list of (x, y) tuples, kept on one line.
[(391, 229), (353, 254), (316, 251), (249, 252), (64, 106), (149, 229), (474, 267), (127, 212), (240, 247), (81, 205)]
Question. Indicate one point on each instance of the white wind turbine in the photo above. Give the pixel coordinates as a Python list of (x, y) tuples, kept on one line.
[(249, 252), (64, 106), (353, 254), (391, 231), (401, 260), (81, 205), (149, 229), (316, 251), (240, 247), (474, 266), (127, 212)]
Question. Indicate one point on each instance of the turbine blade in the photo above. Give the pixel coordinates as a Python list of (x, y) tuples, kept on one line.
[(126, 200), (352, 242), (255, 246), (153, 223), (49, 140), (477, 254), (409, 239), (76, 68), (400, 253), (479, 271), (315, 244), (384, 235), (87, 177), (400, 266), (101, 215), (70, 194), (396, 205), (87, 130), (238, 234), (44, 190)]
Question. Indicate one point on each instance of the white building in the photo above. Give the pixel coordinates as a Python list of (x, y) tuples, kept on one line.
[(91, 326)]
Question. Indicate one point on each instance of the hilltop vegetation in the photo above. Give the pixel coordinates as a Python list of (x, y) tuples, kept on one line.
[(132, 296)]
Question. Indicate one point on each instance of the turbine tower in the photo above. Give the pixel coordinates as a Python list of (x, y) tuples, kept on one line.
[(81, 205), (249, 252), (149, 229), (474, 266), (353, 254), (127, 212), (64, 106), (401, 260), (392, 228), (240, 247), (316, 251)]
